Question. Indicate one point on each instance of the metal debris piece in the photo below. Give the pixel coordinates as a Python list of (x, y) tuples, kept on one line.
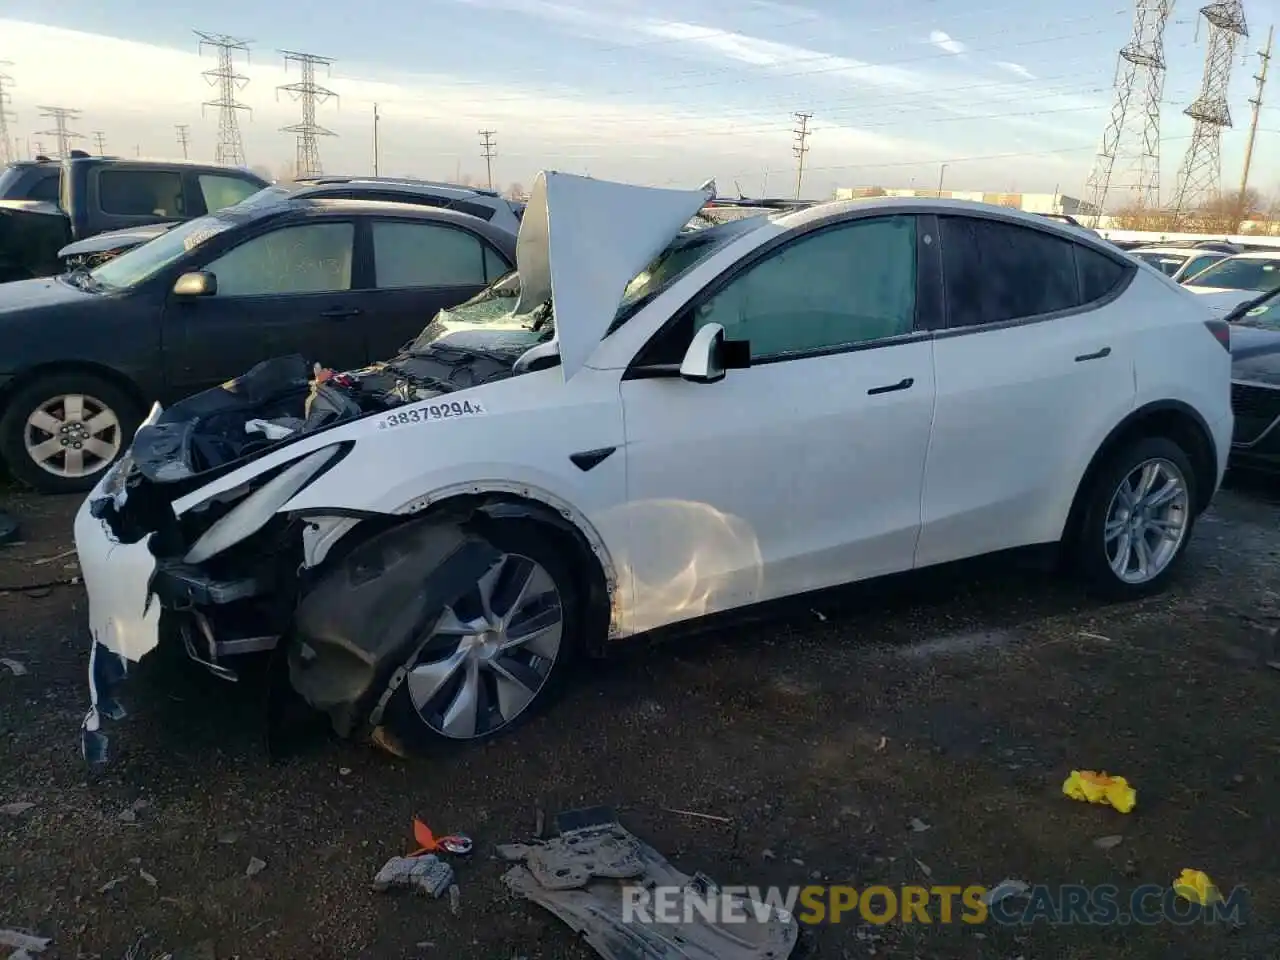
[(698, 816), (255, 867), (427, 874), (16, 668), (582, 877), (17, 808)]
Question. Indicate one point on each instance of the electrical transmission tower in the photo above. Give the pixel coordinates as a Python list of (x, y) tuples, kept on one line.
[(184, 137), (230, 148), (801, 146), (8, 151), (100, 141), (60, 132), (311, 94), (489, 145), (1200, 176), (1130, 148)]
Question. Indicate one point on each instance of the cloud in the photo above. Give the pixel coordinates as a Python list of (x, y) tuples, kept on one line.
[(946, 43), (1016, 69)]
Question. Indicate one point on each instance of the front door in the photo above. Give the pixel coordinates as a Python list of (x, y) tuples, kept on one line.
[(285, 291), (805, 470)]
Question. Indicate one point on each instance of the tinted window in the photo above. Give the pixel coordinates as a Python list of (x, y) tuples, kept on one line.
[(46, 188), (1166, 263), (426, 255), (495, 265), (1240, 274), (141, 193), (841, 286), (1098, 274), (312, 258), (222, 192), (996, 271), (1198, 263)]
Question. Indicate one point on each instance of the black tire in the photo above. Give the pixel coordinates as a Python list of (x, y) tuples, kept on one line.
[(405, 733), (31, 397), (1089, 541)]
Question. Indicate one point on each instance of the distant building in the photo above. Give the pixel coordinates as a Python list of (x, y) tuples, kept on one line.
[(1030, 202)]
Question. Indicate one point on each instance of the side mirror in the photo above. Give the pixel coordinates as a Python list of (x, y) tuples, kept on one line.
[(199, 283), (710, 355)]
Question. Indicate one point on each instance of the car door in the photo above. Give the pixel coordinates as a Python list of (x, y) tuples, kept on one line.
[(1034, 368), (286, 290), (804, 470), (419, 268)]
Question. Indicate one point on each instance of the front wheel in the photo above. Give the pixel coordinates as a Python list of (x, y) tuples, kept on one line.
[(499, 653), (1138, 519)]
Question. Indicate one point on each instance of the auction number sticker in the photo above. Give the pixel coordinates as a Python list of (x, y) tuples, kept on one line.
[(447, 410)]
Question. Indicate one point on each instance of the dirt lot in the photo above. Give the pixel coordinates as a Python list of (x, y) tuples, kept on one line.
[(961, 700)]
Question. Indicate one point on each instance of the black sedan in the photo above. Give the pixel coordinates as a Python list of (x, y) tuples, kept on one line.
[(345, 282), (1255, 385)]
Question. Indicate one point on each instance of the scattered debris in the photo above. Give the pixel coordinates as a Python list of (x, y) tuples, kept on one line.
[(57, 556), (818, 614), (917, 825), (700, 816), (924, 868), (1090, 787), (344, 771), (149, 878), (255, 867), (17, 808), (427, 874), (111, 884), (1195, 885), (578, 876), (228, 837), (15, 667), (24, 944), (1006, 889), (128, 815), (1274, 664), (428, 842), (884, 742), (1107, 843), (455, 899), (767, 854), (1084, 635)]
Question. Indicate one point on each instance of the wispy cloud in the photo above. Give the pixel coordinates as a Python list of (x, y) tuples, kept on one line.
[(1016, 69), (946, 43)]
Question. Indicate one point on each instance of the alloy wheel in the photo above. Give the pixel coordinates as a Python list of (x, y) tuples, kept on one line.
[(1147, 521), (490, 654), (72, 435)]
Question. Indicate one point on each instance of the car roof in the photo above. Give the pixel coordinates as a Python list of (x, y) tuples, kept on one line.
[(1173, 248), (389, 207), (1256, 255)]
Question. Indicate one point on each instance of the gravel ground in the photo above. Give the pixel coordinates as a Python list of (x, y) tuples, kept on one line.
[(961, 699)]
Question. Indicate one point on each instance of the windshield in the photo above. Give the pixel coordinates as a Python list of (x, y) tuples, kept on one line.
[(145, 261), (1240, 274)]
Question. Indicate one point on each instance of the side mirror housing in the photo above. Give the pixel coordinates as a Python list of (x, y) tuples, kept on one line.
[(710, 355), (198, 283)]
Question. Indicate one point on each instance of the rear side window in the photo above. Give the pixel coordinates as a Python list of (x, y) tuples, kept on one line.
[(220, 191), (426, 255), (1099, 274), (46, 189), (141, 193)]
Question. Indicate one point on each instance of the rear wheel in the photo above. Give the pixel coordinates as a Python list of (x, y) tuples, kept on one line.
[(499, 653), (1138, 519), (61, 431)]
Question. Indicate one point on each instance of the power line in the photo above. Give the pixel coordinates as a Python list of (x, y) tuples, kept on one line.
[(8, 150), (100, 142), (1261, 78), (61, 132), (489, 146), (311, 94), (801, 146), (230, 147), (184, 137), (1200, 176)]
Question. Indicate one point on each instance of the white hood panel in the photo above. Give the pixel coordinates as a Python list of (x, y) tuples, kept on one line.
[(582, 241)]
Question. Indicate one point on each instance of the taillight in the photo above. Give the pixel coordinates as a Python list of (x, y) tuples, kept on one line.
[(1221, 331)]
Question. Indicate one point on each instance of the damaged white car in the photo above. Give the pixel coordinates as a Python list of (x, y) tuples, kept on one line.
[(646, 424)]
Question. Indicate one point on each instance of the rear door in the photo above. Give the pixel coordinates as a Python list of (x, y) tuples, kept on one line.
[(419, 268), (287, 290), (1034, 368)]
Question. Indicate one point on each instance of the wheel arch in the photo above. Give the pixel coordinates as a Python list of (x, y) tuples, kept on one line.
[(1178, 421), (30, 375)]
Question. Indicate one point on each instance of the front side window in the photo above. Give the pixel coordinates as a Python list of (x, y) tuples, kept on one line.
[(429, 255), (308, 258), (46, 189), (1240, 274), (843, 286), (141, 193), (1197, 263), (219, 191)]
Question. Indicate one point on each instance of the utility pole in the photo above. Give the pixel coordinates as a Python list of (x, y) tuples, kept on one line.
[(230, 147), (375, 139), (488, 143), (64, 135), (1261, 77), (942, 172), (100, 142), (801, 146), (8, 150), (184, 137), (311, 94), (38, 151)]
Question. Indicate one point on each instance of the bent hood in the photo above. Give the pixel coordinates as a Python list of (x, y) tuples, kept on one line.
[(115, 239), (582, 240)]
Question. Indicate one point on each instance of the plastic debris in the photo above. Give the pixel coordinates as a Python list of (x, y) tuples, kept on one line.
[(17, 808), (427, 874), (1195, 885), (111, 884), (15, 667), (428, 842), (149, 878), (255, 867), (1091, 787), (1106, 843), (917, 825), (1006, 889), (24, 944)]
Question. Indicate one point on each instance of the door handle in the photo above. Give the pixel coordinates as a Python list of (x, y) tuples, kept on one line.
[(340, 313), (1104, 352), (903, 384)]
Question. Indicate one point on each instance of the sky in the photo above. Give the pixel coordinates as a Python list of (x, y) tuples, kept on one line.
[(1011, 95)]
